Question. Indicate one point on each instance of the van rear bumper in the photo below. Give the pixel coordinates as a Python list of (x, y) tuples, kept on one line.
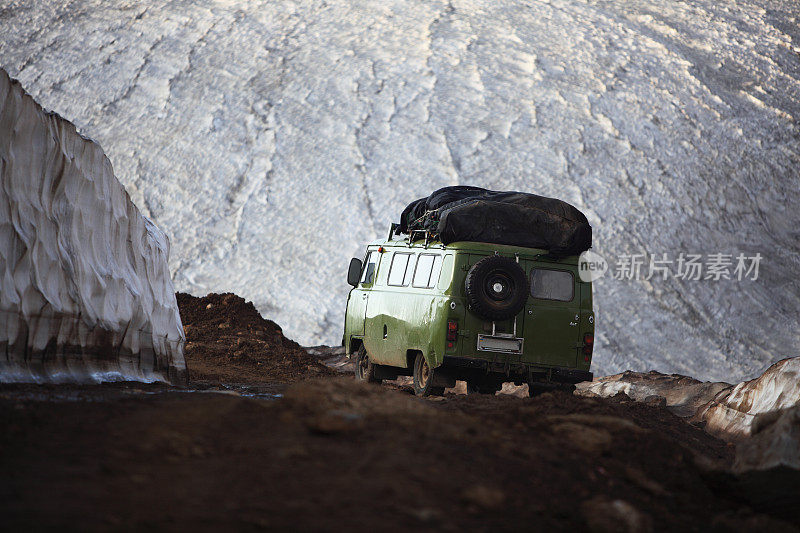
[(518, 371)]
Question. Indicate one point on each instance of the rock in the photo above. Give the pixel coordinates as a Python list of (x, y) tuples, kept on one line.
[(644, 481), (590, 434), (335, 422), (520, 391), (656, 400), (775, 442), (767, 464), (603, 514), (85, 290), (333, 357), (460, 388), (426, 515), (587, 439), (682, 395), (483, 496)]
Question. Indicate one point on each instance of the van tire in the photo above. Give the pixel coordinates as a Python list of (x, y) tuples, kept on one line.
[(364, 368), (504, 274), (424, 377)]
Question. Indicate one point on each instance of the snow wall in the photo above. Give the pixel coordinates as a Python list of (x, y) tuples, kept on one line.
[(761, 415), (272, 139), (85, 290)]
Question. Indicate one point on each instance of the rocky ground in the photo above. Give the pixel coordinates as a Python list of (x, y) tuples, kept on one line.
[(266, 438)]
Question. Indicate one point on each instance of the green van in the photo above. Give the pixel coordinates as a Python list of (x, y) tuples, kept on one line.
[(482, 313)]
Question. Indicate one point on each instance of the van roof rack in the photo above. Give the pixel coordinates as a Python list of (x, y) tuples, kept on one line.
[(425, 233), (393, 231), (413, 236)]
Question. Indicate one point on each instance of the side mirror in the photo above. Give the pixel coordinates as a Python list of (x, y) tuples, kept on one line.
[(354, 272)]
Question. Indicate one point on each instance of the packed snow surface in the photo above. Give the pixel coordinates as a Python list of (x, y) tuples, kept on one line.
[(272, 139), (85, 289)]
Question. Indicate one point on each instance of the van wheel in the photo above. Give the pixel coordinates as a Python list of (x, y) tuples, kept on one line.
[(424, 377), (497, 288), (364, 369)]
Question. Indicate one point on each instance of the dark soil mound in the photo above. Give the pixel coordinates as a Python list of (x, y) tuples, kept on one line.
[(228, 340)]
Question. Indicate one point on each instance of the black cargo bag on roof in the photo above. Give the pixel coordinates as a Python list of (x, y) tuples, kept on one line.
[(464, 213)]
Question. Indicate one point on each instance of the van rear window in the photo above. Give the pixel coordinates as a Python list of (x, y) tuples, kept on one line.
[(549, 284)]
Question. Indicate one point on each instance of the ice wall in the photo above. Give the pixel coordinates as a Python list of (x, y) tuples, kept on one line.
[(735, 411), (730, 411), (761, 415), (85, 290), (272, 139)]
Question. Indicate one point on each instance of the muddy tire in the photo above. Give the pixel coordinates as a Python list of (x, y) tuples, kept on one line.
[(364, 369), (497, 288), (424, 377)]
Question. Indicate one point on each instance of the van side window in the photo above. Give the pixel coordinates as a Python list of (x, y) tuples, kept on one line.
[(446, 272), (427, 273), (400, 271), (552, 284), (368, 276)]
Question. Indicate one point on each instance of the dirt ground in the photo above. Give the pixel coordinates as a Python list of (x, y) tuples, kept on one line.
[(256, 447), (228, 341)]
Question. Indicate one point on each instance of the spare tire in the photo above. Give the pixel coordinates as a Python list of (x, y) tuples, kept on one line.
[(497, 288)]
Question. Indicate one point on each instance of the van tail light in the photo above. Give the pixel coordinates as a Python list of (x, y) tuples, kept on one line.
[(588, 345), (452, 332)]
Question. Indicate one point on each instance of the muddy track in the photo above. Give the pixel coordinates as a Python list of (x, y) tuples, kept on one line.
[(267, 439)]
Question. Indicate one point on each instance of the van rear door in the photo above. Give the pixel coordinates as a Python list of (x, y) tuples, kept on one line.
[(475, 325), (552, 315)]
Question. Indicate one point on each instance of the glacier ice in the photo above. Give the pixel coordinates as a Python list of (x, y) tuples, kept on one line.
[(735, 411), (271, 139), (728, 410), (762, 415), (85, 288)]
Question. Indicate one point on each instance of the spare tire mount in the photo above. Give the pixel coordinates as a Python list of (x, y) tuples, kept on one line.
[(497, 288)]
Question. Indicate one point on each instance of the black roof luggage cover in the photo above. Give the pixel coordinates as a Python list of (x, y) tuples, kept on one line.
[(464, 213)]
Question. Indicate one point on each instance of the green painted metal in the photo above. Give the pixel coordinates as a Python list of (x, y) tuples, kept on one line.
[(395, 321)]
